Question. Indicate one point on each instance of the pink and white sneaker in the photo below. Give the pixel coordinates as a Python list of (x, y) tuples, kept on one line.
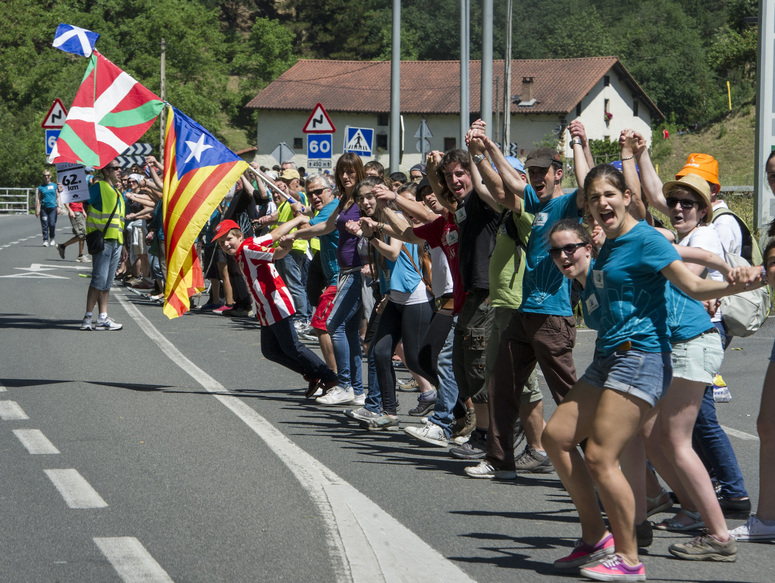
[(615, 569), (585, 554)]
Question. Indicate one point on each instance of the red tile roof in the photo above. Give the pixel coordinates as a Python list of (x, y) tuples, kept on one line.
[(432, 87)]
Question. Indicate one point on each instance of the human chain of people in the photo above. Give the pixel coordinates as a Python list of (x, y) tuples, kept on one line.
[(471, 271)]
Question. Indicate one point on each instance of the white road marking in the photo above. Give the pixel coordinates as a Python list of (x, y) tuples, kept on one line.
[(366, 543), (2, 388), (10, 411), (35, 441), (132, 562), (739, 434), (74, 488)]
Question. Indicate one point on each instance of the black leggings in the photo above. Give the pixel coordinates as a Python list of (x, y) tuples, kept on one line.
[(399, 322)]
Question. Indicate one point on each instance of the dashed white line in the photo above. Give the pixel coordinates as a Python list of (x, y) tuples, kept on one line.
[(35, 442), (365, 542), (74, 488), (2, 388), (10, 411), (739, 434), (132, 562)]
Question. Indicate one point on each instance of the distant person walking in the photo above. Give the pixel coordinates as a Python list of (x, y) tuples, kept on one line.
[(47, 208)]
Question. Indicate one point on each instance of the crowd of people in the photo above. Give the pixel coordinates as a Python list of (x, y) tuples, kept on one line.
[(472, 270)]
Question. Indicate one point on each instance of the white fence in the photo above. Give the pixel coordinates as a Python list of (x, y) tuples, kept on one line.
[(15, 201)]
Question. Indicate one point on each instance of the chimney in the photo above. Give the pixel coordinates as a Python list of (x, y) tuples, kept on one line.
[(527, 89)]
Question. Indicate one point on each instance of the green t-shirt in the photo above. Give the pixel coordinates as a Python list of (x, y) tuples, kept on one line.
[(507, 263)]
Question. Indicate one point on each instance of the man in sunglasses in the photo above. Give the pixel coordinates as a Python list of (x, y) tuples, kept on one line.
[(105, 213)]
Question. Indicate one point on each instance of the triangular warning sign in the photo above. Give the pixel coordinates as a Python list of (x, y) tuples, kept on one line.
[(55, 118), (319, 122)]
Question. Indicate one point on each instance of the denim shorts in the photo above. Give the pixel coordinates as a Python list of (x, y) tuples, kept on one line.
[(104, 265), (698, 359), (645, 375)]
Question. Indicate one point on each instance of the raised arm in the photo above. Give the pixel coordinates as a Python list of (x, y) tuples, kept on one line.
[(708, 289), (629, 144), (487, 182), (652, 185)]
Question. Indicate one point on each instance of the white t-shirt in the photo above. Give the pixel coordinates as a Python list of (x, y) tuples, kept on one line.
[(728, 230), (705, 237)]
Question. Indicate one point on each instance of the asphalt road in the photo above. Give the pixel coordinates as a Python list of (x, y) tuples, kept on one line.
[(172, 451)]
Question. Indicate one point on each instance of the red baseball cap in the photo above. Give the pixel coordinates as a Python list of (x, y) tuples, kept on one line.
[(224, 227)]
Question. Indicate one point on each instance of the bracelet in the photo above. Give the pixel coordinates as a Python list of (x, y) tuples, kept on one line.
[(575, 141), (395, 197), (628, 158)]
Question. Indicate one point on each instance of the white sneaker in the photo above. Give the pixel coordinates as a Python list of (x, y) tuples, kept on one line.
[(52, 243), (486, 470), (108, 324), (336, 396), (429, 433), (83, 259), (362, 414), (359, 400), (755, 529), (86, 324), (45, 243)]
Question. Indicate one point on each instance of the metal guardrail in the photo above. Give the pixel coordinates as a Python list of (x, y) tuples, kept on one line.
[(15, 201)]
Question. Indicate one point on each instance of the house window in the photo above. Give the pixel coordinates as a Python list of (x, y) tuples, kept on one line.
[(606, 81), (382, 141), (383, 119), (450, 144), (635, 108), (298, 143), (578, 109), (606, 105)]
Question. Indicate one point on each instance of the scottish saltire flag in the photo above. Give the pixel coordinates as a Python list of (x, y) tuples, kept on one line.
[(198, 172), (111, 111), (74, 39)]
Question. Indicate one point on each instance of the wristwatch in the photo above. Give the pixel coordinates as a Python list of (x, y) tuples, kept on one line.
[(477, 158), (575, 141)]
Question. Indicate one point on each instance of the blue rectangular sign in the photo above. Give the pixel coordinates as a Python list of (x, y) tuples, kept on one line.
[(51, 139), (359, 140), (319, 146)]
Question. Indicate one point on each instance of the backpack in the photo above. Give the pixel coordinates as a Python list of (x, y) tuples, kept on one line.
[(749, 250), (744, 313)]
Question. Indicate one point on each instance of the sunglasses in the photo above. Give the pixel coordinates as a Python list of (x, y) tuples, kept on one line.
[(317, 191), (686, 203), (112, 167), (569, 250)]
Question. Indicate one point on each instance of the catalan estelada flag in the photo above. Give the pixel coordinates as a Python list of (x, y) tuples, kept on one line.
[(198, 172), (110, 112)]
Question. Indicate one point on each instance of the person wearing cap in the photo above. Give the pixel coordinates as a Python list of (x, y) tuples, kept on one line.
[(273, 301), (417, 173), (688, 203), (728, 229), (542, 331)]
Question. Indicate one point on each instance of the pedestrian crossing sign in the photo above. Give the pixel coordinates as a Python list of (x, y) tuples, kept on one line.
[(359, 140)]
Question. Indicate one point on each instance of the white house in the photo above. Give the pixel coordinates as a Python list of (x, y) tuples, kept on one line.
[(548, 94)]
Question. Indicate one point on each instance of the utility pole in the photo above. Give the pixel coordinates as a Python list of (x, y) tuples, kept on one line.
[(395, 90), (485, 103), (465, 39), (507, 84)]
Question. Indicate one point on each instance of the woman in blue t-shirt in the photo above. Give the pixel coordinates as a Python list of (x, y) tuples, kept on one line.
[(624, 296)]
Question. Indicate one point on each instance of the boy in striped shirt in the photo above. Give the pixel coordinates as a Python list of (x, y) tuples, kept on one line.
[(273, 301)]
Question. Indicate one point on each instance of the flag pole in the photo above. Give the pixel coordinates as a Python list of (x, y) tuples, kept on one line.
[(163, 118)]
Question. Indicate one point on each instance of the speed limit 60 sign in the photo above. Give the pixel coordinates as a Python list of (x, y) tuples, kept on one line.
[(319, 146), (51, 139)]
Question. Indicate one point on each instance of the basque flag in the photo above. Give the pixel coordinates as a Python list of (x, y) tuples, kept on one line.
[(74, 39)]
